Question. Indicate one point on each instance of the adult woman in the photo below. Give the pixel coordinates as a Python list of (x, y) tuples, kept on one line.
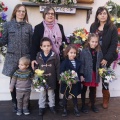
[(108, 38), (17, 35), (51, 29)]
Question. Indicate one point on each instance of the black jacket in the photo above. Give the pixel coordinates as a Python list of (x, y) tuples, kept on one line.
[(109, 42), (38, 35)]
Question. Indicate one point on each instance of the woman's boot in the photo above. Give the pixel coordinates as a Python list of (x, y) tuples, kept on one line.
[(106, 96), (76, 111), (64, 113)]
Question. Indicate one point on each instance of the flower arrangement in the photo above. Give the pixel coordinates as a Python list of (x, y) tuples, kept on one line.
[(3, 16), (65, 2), (69, 77), (107, 74), (39, 81), (79, 36)]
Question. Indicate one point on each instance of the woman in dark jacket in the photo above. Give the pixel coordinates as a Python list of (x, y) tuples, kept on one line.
[(108, 38), (17, 35), (51, 29)]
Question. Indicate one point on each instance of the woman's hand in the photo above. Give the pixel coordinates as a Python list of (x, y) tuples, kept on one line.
[(82, 79), (103, 62), (33, 64)]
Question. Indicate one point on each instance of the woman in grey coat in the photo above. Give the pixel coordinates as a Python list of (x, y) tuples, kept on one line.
[(17, 35)]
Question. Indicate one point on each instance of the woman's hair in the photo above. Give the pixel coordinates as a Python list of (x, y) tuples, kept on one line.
[(99, 10), (25, 60), (45, 39), (90, 36), (15, 10), (46, 10), (68, 48)]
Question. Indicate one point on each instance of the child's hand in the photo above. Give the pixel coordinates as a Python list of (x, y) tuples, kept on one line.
[(82, 79), (11, 90)]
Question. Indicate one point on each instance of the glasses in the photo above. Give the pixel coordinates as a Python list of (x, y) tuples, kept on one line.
[(52, 14), (20, 11)]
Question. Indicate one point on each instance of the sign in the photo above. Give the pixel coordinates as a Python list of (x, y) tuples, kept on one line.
[(61, 9)]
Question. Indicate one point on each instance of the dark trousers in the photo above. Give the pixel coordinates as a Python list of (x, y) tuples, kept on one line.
[(65, 99), (13, 95), (92, 94), (57, 94)]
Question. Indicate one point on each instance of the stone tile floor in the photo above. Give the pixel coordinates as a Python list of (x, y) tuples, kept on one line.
[(112, 113)]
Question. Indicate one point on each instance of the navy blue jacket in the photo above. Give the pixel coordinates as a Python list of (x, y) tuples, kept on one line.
[(65, 66)]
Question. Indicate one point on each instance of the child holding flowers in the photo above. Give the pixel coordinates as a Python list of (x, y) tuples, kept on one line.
[(71, 63), (90, 58), (49, 62), (22, 80)]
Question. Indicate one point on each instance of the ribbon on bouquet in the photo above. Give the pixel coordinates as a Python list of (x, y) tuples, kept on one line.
[(70, 87), (116, 61)]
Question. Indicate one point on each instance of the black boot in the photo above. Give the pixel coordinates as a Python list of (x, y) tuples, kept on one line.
[(84, 109), (41, 111), (52, 109), (64, 113), (94, 109), (76, 111)]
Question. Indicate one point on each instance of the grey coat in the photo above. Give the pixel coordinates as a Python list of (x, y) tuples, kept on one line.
[(18, 37), (87, 65), (51, 68)]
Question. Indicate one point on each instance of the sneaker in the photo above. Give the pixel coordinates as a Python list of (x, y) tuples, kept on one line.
[(19, 112), (26, 112)]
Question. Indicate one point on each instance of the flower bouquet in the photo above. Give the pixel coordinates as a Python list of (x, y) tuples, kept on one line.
[(69, 77), (107, 74), (79, 36), (39, 81)]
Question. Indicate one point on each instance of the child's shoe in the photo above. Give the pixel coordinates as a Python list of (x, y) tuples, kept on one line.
[(19, 112), (41, 111), (52, 109), (84, 109), (76, 111), (64, 113), (94, 109), (26, 112)]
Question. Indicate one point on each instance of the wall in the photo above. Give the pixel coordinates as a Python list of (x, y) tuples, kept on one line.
[(70, 22)]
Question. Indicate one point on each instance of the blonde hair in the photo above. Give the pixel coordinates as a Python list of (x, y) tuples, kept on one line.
[(90, 36), (25, 60)]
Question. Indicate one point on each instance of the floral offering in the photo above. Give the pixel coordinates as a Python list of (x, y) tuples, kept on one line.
[(69, 77), (107, 74), (79, 36), (39, 81)]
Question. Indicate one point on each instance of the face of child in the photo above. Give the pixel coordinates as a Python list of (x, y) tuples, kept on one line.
[(22, 66), (93, 42), (72, 54), (46, 47)]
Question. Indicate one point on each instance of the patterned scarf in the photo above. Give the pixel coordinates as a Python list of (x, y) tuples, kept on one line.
[(53, 32)]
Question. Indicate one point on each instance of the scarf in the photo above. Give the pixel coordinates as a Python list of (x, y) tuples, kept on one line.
[(53, 32)]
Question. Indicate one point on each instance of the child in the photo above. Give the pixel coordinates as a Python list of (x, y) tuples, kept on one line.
[(49, 62), (22, 80), (90, 58), (70, 63)]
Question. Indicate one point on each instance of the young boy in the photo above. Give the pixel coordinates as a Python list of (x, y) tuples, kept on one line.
[(49, 62), (22, 79)]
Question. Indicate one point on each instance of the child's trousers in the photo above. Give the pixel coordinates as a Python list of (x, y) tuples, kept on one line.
[(51, 98)]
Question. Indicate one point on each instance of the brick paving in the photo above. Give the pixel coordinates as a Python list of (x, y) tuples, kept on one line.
[(112, 113)]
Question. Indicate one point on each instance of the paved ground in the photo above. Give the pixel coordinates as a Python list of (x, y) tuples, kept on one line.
[(112, 113)]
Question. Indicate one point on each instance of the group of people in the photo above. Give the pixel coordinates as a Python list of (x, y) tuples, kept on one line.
[(27, 50)]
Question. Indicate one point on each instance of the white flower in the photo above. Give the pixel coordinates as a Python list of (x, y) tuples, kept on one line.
[(74, 1), (42, 89), (44, 81), (109, 7)]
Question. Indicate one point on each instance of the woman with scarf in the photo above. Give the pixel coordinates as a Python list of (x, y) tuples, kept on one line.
[(17, 34), (108, 38), (51, 29)]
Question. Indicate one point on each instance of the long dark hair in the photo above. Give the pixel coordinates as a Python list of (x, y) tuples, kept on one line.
[(87, 45), (99, 10), (15, 10)]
